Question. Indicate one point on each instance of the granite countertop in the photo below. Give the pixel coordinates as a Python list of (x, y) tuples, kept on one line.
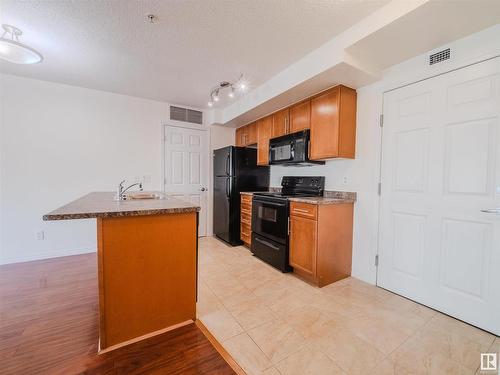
[(102, 204), (322, 200), (329, 197)]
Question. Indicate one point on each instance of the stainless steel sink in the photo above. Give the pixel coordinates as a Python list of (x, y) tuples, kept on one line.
[(142, 195)]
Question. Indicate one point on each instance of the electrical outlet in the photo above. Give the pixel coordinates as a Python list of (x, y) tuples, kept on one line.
[(40, 235), (146, 179), (345, 180)]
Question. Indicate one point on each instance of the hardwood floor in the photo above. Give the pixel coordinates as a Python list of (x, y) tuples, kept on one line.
[(49, 325)]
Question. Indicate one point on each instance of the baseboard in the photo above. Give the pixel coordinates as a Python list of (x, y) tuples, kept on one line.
[(48, 255)]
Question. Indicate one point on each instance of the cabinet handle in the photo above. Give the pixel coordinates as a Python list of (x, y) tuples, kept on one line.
[(301, 210), (286, 125), (289, 224)]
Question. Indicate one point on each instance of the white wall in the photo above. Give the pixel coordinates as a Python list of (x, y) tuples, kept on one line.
[(59, 142), (363, 172)]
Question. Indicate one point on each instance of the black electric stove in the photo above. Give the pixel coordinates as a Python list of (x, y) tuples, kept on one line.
[(270, 218)]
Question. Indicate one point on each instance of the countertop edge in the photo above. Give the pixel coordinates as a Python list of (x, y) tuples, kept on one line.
[(323, 201), (97, 215)]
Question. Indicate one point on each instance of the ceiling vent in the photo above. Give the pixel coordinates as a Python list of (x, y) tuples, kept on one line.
[(439, 56), (186, 115)]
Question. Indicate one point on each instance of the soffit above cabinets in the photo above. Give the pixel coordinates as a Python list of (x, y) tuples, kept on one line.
[(358, 56)]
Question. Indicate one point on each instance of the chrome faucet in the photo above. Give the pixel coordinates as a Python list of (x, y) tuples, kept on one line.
[(122, 190)]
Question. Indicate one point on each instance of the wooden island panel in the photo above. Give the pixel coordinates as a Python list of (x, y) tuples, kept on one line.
[(147, 275)]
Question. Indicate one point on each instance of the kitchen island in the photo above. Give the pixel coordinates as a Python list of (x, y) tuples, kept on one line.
[(147, 264)]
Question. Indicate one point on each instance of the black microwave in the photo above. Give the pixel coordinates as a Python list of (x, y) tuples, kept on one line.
[(291, 149)]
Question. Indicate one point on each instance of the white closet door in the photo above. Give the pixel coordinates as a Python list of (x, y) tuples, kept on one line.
[(440, 168)]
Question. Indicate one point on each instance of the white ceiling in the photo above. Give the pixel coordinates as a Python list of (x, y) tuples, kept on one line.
[(109, 45)]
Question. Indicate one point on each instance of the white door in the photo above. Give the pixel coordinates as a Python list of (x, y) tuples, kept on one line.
[(186, 168), (440, 167)]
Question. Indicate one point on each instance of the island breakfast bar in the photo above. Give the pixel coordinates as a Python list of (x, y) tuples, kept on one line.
[(147, 264)]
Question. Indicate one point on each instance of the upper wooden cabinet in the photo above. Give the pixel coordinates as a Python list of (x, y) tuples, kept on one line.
[(300, 116), (240, 137), (281, 124), (251, 134), (333, 124), (331, 116), (246, 135), (264, 128)]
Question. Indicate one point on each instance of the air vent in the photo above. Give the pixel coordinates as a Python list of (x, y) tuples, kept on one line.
[(186, 115), (439, 56)]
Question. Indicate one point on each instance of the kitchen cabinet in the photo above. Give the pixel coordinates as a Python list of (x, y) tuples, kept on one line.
[(333, 124), (300, 116), (246, 219), (251, 138), (246, 135), (330, 115), (264, 128), (280, 124), (303, 238), (321, 241), (240, 137)]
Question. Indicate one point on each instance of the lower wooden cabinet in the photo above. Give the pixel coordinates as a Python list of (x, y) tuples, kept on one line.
[(321, 241), (303, 238), (246, 219)]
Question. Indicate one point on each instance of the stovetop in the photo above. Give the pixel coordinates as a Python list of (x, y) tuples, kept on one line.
[(296, 186), (280, 195)]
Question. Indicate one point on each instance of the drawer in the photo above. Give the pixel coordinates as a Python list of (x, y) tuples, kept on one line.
[(245, 198), (306, 210), (245, 233), (246, 220), (246, 210)]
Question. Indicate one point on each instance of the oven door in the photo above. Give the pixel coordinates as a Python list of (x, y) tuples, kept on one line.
[(270, 218)]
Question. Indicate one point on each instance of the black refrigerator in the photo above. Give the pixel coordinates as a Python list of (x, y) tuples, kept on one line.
[(235, 170)]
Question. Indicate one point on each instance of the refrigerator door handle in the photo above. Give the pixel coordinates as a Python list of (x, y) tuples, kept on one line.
[(227, 187), (227, 165)]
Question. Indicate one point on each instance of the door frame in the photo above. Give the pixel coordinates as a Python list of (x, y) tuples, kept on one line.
[(204, 164), (397, 86)]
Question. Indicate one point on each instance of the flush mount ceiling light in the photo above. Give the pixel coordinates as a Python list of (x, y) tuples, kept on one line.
[(14, 51), (227, 89)]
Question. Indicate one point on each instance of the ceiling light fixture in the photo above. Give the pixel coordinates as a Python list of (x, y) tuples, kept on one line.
[(14, 51), (232, 88)]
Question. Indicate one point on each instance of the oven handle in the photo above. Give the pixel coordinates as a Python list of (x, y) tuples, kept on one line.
[(269, 203), (268, 244)]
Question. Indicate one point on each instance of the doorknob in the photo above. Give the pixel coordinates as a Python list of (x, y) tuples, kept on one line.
[(491, 210), (203, 189)]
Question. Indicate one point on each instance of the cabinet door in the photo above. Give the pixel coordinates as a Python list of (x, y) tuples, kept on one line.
[(325, 125), (300, 116), (251, 138), (280, 123), (240, 137), (303, 240), (263, 134)]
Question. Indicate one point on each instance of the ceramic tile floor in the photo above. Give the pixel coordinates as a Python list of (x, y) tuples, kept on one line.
[(273, 323)]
